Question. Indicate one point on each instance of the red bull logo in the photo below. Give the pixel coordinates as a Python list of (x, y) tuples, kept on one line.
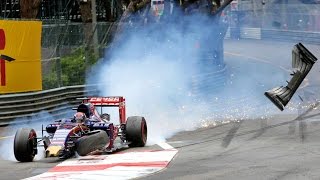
[(3, 58)]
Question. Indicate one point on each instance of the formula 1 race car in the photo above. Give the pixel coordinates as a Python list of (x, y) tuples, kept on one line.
[(86, 132)]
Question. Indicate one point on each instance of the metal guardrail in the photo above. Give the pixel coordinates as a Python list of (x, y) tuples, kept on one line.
[(244, 33), (273, 34), (17, 108), (250, 33), (207, 82), (293, 36)]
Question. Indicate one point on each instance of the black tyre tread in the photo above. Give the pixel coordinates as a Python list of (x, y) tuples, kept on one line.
[(23, 151), (87, 144), (134, 131)]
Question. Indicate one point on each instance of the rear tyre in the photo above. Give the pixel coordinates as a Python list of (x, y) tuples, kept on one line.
[(87, 144), (25, 144), (136, 131)]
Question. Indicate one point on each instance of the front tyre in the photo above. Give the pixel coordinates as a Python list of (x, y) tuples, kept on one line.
[(136, 131), (25, 144), (91, 142)]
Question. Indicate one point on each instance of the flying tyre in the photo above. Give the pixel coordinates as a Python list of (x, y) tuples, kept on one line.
[(136, 131), (95, 140), (25, 144)]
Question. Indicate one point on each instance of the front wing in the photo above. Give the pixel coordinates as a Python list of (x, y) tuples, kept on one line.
[(302, 62)]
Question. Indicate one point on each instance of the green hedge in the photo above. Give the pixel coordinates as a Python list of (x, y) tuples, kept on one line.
[(73, 69)]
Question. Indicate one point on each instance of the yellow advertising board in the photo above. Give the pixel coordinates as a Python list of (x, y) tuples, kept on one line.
[(20, 56)]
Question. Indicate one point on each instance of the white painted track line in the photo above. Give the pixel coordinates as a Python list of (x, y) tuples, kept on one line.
[(165, 146)]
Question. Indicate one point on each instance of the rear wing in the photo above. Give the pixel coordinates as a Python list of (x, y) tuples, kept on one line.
[(302, 62), (113, 101), (108, 101)]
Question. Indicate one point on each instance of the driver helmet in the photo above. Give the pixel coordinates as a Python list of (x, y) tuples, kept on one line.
[(105, 117), (91, 109), (79, 117)]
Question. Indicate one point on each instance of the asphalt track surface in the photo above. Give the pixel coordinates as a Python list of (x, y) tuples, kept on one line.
[(279, 148), (285, 146)]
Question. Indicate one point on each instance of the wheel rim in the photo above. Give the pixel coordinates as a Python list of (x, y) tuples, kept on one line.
[(32, 141), (32, 134)]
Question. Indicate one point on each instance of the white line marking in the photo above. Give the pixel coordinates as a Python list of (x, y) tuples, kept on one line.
[(177, 142), (165, 145)]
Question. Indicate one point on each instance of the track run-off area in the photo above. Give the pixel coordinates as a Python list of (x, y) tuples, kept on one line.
[(284, 145)]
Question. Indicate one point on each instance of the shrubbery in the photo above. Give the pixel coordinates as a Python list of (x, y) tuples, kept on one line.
[(73, 70)]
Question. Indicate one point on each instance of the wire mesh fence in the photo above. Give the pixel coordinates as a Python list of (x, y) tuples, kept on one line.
[(67, 52), (71, 38), (294, 16), (107, 10)]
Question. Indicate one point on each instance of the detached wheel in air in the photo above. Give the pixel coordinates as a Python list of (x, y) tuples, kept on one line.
[(25, 144), (136, 131), (92, 142)]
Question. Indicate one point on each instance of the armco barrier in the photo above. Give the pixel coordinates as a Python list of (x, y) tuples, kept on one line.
[(243, 33), (250, 33), (16, 108), (295, 36), (274, 34)]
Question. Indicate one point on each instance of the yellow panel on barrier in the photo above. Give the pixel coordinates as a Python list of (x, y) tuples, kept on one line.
[(20, 60)]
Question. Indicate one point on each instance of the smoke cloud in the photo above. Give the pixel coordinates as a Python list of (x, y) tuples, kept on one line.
[(154, 66)]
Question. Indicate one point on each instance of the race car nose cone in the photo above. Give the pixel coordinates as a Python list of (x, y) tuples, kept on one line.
[(53, 151)]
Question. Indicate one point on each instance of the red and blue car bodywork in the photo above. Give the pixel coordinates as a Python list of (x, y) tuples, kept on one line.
[(67, 137)]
